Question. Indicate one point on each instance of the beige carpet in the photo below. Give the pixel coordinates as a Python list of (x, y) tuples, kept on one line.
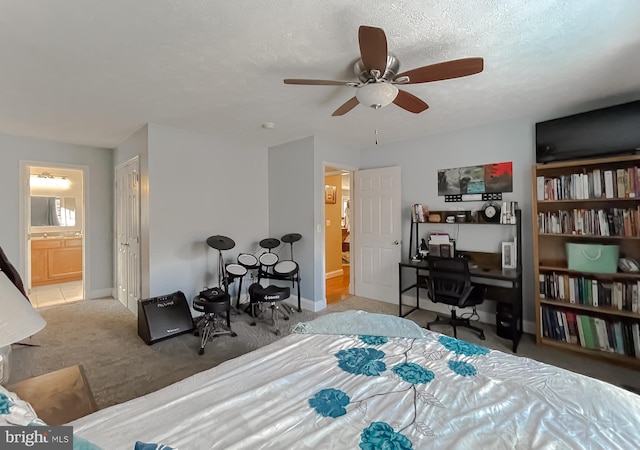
[(102, 336)]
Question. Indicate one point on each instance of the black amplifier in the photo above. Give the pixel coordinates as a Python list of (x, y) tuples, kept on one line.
[(163, 317)]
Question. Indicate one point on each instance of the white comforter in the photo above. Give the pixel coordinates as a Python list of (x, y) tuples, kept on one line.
[(313, 391)]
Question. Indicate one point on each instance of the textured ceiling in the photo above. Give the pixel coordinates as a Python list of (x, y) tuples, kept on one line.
[(92, 72)]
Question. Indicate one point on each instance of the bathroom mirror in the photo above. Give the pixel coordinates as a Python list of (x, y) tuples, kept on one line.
[(53, 211)]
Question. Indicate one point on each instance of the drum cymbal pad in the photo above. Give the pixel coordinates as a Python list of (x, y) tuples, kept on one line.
[(269, 243), (220, 242), (291, 237)]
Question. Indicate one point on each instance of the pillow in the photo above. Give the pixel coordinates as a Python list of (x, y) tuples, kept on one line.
[(146, 446), (14, 411), (82, 444), (361, 322)]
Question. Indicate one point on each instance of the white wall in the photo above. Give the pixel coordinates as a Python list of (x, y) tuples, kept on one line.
[(291, 170), (420, 159), (99, 226), (199, 186)]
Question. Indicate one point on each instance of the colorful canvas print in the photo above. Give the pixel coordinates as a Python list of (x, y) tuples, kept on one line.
[(497, 177)]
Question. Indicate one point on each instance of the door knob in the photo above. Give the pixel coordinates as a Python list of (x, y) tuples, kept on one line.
[(126, 244), (396, 242)]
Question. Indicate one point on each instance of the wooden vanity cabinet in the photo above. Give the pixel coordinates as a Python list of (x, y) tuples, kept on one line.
[(55, 261)]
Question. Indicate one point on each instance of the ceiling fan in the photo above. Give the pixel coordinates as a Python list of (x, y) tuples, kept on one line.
[(377, 73)]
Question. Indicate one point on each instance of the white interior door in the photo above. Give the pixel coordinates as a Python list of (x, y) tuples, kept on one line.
[(376, 243), (128, 234)]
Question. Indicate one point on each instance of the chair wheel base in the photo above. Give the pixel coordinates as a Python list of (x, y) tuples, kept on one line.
[(234, 334), (201, 351), (482, 337)]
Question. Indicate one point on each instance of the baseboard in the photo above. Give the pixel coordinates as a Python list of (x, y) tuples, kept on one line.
[(101, 293), (305, 303), (333, 274), (483, 316)]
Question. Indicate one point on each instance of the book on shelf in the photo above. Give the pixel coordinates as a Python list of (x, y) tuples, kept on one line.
[(598, 183), (573, 327), (621, 336)]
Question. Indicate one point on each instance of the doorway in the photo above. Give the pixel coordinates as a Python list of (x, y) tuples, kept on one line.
[(54, 208), (337, 234)]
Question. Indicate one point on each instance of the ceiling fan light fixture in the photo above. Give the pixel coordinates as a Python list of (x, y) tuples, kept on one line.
[(376, 95)]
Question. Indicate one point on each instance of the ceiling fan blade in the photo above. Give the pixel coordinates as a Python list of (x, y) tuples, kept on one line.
[(346, 107), (444, 70), (373, 48), (409, 102), (316, 82)]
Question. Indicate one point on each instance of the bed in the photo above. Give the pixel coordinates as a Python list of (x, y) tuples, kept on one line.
[(359, 380)]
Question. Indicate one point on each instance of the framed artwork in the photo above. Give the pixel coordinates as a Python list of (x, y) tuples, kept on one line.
[(508, 255), (330, 194), (481, 179)]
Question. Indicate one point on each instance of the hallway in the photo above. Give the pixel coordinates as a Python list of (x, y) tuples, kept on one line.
[(337, 288)]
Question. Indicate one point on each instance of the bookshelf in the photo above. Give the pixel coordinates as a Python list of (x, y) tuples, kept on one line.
[(594, 202)]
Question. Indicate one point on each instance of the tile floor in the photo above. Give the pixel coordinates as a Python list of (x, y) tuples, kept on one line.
[(56, 294)]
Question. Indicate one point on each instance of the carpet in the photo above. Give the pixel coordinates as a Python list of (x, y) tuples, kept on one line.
[(102, 336)]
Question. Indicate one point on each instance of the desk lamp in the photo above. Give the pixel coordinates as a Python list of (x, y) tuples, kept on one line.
[(18, 320)]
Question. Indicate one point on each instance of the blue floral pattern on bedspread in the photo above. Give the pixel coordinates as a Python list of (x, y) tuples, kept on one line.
[(361, 361), (373, 340), (462, 347), (380, 435), (413, 373), (5, 404), (462, 368), (412, 370), (330, 402)]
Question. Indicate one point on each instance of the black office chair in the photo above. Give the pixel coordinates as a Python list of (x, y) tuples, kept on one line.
[(450, 283)]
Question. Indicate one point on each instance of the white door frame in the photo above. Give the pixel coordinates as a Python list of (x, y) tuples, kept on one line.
[(24, 219)]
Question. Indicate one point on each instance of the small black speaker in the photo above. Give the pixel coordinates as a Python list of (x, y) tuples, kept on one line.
[(505, 326), (163, 317)]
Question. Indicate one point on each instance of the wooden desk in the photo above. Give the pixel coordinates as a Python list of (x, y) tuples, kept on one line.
[(58, 397), (487, 274)]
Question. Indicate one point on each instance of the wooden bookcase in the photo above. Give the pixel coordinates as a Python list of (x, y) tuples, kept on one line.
[(574, 192)]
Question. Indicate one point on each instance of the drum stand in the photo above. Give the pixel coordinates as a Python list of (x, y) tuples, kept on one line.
[(294, 277), (214, 302)]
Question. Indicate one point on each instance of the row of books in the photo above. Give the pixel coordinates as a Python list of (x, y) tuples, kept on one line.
[(419, 213), (621, 295), (614, 183), (591, 222), (595, 333)]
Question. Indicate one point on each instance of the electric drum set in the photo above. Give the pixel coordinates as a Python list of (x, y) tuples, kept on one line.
[(216, 303)]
